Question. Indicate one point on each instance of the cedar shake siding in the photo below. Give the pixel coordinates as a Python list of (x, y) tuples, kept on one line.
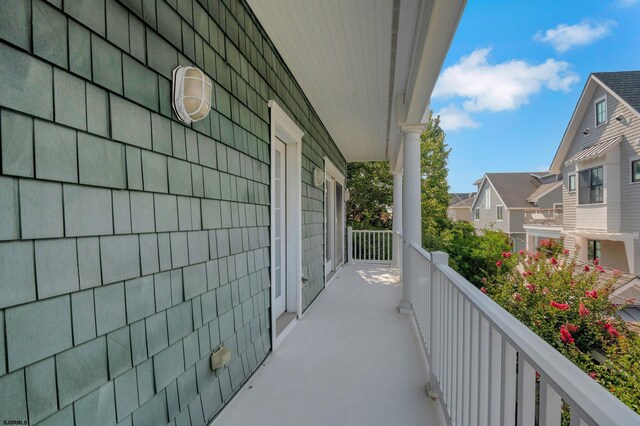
[(132, 245)]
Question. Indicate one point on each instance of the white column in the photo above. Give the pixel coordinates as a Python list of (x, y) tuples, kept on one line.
[(411, 210), (397, 214)]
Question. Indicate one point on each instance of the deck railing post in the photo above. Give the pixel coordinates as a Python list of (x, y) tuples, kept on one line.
[(435, 286), (349, 244)]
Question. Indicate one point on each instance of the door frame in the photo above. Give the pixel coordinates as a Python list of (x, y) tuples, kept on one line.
[(331, 170), (284, 128)]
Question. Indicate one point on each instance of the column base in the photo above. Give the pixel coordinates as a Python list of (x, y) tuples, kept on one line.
[(405, 307)]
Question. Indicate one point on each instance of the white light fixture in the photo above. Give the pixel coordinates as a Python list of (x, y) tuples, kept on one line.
[(191, 94), (585, 131), (347, 195), (318, 177)]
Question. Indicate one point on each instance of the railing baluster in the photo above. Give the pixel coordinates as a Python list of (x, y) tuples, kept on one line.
[(495, 378), (484, 384), (474, 367), (550, 404), (466, 379), (526, 392), (509, 385), (460, 344)]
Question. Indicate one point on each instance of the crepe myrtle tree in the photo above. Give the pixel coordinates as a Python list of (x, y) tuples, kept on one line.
[(568, 306)]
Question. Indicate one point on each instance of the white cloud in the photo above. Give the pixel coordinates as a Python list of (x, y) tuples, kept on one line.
[(503, 86), (625, 3), (453, 118), (564, 37)]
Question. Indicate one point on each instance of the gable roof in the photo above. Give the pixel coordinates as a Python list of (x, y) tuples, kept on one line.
[(543, 190), (456, 197), (623, 85), (513, 189), (464, 203)]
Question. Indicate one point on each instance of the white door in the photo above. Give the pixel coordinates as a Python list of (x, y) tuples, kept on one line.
[(329, 221), (339, 225), (280, 228)]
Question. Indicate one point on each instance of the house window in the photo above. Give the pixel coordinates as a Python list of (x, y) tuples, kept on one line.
[(476, 213), (487, 199), (499, 214), (572, 183), (601, 112), (635, 171), (591, 188), (595, 250)]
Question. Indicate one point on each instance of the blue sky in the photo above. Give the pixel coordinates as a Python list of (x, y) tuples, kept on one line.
[(514, 73)]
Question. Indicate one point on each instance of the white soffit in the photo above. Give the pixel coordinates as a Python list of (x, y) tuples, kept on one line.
[(340, 53)]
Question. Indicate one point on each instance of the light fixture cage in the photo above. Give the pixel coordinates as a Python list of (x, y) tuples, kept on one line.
[(191, 94), (318, 177)]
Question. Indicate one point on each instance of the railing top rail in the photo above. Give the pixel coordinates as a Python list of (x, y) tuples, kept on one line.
[(372, 230), (578, 389), (549, 209)]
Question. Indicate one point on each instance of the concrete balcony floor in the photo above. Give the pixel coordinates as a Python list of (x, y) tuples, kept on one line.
[(352, 360)]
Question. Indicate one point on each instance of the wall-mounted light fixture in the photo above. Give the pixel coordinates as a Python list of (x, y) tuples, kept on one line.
[(347, 195), (191, 94), (585, 131), (619, 117), (318, 177)]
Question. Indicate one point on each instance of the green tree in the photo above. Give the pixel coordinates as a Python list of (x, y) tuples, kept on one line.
[(371, 187), (434, 157)]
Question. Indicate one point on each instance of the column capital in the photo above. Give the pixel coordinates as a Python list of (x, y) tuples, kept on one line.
[(396, 173), (412, 128)]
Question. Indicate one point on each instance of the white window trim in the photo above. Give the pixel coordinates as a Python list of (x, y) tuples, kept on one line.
[(595, 110), (631, 160), (285, 129), (575, 182), (476, 218), (487, 198), (499, 205)]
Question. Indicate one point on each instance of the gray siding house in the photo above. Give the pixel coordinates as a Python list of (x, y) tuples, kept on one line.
[(503, 200), (599, 159), (133, 245)]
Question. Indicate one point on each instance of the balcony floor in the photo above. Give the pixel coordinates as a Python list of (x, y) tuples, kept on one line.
[(352, 360)]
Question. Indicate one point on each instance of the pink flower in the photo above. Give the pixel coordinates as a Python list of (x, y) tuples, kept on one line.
[(517, 297), (613, 332), (554, 261), (617, 273), (596, 261), (600, 269), (566, 252), (560, 306), (499, 263), (586, 268), (521, 252), (484, 290), (506, 255), (565, 335), (583, 311), (592, 294), (531, 287), (593, 375)]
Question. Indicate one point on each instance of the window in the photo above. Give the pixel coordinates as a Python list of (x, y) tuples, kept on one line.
[(590, 182), (572, 183), (601, 111), (635, 170), (499, 214), (594, 250), (487, 199), (476, 213)]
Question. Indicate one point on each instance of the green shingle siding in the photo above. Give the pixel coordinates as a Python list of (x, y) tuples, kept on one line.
[(151, 238)]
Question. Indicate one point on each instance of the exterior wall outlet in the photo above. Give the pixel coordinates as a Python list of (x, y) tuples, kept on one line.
[(220, 358)]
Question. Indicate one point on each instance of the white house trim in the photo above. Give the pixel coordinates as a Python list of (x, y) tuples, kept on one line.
[(547, 192), (331, 170), (631, 160), (595, 111), (285, 129), (485, 178)]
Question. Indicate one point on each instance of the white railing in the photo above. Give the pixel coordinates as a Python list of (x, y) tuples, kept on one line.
[(364, 246), (483, 362)]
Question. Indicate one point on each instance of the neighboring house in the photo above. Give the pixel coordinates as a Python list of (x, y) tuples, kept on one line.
[(133, 244), (599, 157), (503, 199), (459, 206), (544, 221)]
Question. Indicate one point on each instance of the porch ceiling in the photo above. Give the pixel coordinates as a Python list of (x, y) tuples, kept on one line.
[(345, 57)]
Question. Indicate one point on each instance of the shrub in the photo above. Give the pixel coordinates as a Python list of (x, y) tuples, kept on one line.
[(568, 306)]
